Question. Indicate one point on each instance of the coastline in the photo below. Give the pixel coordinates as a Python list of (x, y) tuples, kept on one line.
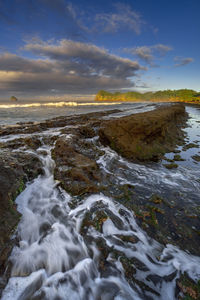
[(81, 174)]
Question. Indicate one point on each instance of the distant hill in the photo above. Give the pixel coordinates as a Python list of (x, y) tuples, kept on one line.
[(183, 95)]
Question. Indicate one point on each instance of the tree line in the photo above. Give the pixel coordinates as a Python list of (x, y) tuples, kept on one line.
[(184, 95)]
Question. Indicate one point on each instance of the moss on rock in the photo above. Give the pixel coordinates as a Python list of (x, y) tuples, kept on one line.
[(145, 136)]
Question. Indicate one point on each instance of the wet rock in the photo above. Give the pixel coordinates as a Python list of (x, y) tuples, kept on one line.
[(32, 142), (170, 166), (15, 170), (77, 173), (169, 223), (177, 157), (188, 287), (168, 159), (94, 219), (58, 122), (145, 136), (129, 239), (27, 142), (196, 157), (130, 266), (177, 151), (86, 131), (189, 146), (156, 199)]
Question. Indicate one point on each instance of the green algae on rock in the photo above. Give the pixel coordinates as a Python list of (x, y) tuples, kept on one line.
[(196, 157), (188, 287), (170, 166), (177, 157), (77, 173), (145, 136), (189, 146)]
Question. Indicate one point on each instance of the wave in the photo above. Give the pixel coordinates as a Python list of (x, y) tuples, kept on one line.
[(56, 104)]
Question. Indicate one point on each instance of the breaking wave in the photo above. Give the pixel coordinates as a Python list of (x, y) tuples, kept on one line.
[(56, 104)]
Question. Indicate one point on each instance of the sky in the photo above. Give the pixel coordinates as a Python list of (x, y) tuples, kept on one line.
[(54, 49)]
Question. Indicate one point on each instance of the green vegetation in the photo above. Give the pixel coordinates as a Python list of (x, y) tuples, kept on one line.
[(183, 95), (170, 166), (189, 288), (177, 157), (196, 157)]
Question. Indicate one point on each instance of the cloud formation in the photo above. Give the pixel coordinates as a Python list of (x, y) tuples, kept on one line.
[(181, 61), (49, 17), (123, 16), (144, 53), (65, 67), (11, 62), (67, 19), (149, 53), (85, 59)]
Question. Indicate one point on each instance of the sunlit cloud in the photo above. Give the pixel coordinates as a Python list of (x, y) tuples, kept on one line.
[(65, 67), (85, 58)]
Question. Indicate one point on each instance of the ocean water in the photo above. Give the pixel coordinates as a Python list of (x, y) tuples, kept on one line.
[(12, 113)]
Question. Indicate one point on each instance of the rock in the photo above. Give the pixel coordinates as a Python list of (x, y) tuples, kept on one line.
[(77, 173), (177, 157), (167, 221), (177, 151), (13, 98), (29, 127), (145, 136), (196, 157), (15, 170), (30, 142), (189, 146), (86, 131), (188, 287), (170, 166)]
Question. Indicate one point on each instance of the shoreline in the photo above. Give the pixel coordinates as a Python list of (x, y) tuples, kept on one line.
[(77, 154)]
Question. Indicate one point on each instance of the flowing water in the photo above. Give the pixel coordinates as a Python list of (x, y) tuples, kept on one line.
[(55, 260)]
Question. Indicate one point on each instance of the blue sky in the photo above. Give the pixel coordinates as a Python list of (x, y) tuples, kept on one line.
[(58, 48)]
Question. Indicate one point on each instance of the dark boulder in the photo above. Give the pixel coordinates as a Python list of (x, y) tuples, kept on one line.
[(77, 173)]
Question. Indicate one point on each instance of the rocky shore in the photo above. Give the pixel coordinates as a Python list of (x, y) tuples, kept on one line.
[(20, 163), (146, 136), (76, 150)]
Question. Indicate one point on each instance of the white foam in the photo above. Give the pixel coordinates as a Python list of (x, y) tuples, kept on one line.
[(56, 104)]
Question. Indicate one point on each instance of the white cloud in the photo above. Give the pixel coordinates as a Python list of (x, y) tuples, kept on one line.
[(123, 17), (149, 53)]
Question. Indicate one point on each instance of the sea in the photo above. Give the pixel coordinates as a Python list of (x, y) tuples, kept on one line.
[(12, 113)]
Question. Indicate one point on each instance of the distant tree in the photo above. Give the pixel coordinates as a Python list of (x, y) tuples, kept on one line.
[(182, 95)]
